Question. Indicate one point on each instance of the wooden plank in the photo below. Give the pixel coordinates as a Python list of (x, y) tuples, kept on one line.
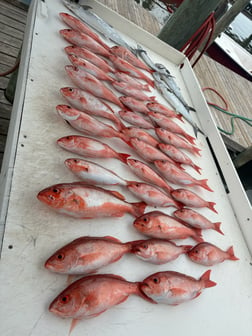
[(14, 5), (12, 23), (12, 13), (3, 100), (2, 142), (10, 40), (8, 49), (7, 60), (4, 125), (11, 31), (3, 83), (3, 68), (5, 111)]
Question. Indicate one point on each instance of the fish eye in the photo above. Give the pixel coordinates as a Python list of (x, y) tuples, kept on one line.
[(60, 256), (70, 89), (76, 161), (145, 246), (65, 299), (55, 190), (68, 106), (145, 219), (196, 251), (156, 280)]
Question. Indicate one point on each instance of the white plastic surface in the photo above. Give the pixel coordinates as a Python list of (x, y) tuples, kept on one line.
[(35, 232)]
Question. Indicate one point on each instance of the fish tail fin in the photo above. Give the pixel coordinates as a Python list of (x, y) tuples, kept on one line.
[(138, 208), (217, 227), (146, 87), (205, 278), (211, 206), (190, 138), (123, 157), (180, 117), (140, 293), (196, 150), (203, 184), (197, 168), (149, 81), (230, 252), (153, 98), (198, 235)]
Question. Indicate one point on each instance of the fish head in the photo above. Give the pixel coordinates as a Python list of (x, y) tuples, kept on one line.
[(77, 165), (132, 162), (198, 253), (67, 142), (67, 112), (70, 49), (142, 249), (54, 196), (136, 187), (144, 223), (74, 59), (181, 194), (70, 92), (155, 286), (67, 33)]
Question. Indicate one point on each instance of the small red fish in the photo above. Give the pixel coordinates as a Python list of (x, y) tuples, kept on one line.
[(196, 220), (175, 175), (123, 77), (134, 132), (158, 251), (127, 90), (90, 148), (86, 255), (128, 56), (134, 104), (157, 107), (208, 254), (136, 119), (84, 201), (157, 224), (190, 199), (173, 288), (83, 40), (90, 56), (175, 140), (81, 27)]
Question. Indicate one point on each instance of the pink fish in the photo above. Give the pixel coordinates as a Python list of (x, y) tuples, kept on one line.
[(133, 132), (89, 67), (196, 220), (166, 123), (152, 195), (158, 251), (134, 104), (83, 40), (90, 148), (123, 77), (208, 254), (157, 107), (80, 200), (86, 123), (90, 56), (92, 295), (90, 104), (157, 224), (189, 198), (86, 81), (173, 288), (175, 140), (127, 90), (136, 119), (86, 255), (81, 27), (148, 174), (177, 155), (174, 175), (128, 56), (129, 69)]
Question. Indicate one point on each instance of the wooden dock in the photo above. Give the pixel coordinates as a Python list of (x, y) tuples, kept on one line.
[(235, 89)]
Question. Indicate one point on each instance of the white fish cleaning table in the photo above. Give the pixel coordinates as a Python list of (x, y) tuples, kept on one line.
[(33, 232)]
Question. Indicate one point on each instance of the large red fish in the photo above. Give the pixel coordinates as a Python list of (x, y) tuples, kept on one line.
[(86, 255), (173, 288), (84, 201)]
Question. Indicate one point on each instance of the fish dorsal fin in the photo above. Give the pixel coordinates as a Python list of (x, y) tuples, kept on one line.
[(117, 194), (113, 239)]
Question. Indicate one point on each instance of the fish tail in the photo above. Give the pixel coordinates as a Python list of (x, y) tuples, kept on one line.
[(138, 208), (198, 236), (123, 157), (203, 184), (196, 150), (217, 227), (211, 206), (190, 138), (205, 278), (180, 117), (197, 168), (153, 98), (149, 81), (146, 87), (230, 252)]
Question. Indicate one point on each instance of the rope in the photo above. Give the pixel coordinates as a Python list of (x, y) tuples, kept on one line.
[(16, 65), (224, 109)]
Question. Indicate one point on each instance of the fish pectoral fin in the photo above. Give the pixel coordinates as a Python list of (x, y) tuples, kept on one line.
[(177, 291), (117, 195), (73, 325)]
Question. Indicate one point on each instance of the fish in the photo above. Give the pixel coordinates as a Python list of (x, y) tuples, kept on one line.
[(92, 295), (189, 198), (174, 288), (86, 255), (93, 173), (158, 251), (134, 132), (91, 57), (174, 175), (129, 69), (147, 174), (136, 119), (81, 27), (134, 104), (128, 56), (146, 58), (123, 77), (178, 156), (196, 220), (86, 102), (96, 22), (157, 107), (152, 195), (87, 124), (91, 148), (88, 82), (89, 67), (83, 40), (156, 224), (80, 200), (127, 90), (175, 140), (208, 254), (167, 123)]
